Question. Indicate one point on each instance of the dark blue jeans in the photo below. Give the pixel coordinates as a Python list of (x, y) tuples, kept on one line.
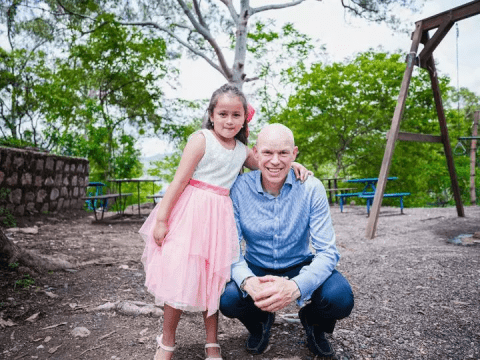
[(332, 301)]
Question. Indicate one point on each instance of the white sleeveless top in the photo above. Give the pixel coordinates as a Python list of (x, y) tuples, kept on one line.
[(219, 166)]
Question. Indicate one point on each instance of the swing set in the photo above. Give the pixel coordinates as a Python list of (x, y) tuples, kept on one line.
[(443, 22)]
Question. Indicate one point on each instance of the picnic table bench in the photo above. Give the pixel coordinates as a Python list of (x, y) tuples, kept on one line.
[(370, 197), (153, 197), (102, 201)]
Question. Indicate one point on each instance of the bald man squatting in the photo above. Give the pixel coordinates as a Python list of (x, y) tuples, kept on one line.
[(278, 217)]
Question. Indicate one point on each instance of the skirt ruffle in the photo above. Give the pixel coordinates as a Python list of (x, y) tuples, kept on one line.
[(189, 271)]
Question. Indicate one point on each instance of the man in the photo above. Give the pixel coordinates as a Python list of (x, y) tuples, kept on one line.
[(278, 217)]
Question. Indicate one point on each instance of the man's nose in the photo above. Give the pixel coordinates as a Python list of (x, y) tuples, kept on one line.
[(274, 159)]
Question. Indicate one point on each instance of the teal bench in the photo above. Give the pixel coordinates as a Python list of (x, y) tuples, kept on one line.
[(346, 195), (370, 197)]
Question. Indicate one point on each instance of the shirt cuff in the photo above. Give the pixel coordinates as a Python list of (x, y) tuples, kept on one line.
[(305, 288)]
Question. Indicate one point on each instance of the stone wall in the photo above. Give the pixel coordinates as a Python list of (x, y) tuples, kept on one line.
[(41, 182)]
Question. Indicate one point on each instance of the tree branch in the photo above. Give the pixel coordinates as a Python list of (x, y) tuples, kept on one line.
[(180, 40), (199, 14), (227, 73), (274, 7), (231, 9)]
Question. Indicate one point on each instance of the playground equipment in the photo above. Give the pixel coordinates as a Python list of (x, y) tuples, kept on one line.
[(473, 153), (443, 22)]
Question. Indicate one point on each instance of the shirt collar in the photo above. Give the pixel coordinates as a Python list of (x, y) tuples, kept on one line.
[(258, 181)]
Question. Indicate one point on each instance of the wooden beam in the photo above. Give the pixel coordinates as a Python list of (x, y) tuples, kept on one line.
[(405, 136), (473, 158), (397, 117), (432, 43), (458, 13), (444, 131)]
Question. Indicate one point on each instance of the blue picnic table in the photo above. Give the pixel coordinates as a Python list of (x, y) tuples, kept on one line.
[(368, 192)]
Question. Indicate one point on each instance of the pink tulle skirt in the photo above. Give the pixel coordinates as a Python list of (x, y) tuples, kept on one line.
[(189, 271)]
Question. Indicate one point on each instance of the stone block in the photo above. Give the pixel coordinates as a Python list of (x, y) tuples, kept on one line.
[(31, 207), (18, 161), (54, 194), (59, 165), (74, 180), (67, 168), (49, 164), (81, 182), (16, 196), (41, 195), (49, 181), (38, 181), (60, 203), (20, 210), (29, 197), (7, 162), (40, 163), (75, 192), (2, 176), (65, 181), (53, 206), (12, 180), (44, 208), (72, 167), (10, 208), (66, 204), (82, 191), (64, 192), (26, 179), (80, 168), (58, 180)]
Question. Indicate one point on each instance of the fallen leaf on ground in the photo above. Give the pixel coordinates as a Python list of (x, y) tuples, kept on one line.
[(33, 318)]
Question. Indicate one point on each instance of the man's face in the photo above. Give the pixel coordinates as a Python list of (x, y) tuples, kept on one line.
[(275, 154)]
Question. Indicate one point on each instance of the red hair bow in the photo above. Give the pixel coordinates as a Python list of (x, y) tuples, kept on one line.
[(250, 113)]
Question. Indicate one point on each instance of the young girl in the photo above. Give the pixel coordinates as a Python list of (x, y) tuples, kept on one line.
[(191, 237)]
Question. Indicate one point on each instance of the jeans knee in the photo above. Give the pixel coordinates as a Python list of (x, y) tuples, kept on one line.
[(230, 301), (335, 300)]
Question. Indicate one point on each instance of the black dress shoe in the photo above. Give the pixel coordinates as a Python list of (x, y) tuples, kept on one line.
[(257, 343), (317, 343)]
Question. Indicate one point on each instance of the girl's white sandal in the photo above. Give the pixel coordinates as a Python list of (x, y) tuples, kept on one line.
[(162, 346), (207, 346)]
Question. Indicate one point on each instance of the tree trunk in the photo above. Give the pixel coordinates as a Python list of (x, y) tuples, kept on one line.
[(30, 259)]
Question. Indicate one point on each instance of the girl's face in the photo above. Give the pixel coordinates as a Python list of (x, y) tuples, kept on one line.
[(228, 116)]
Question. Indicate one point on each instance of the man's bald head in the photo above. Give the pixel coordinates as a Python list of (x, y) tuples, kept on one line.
[(275, 151), (276, 132)]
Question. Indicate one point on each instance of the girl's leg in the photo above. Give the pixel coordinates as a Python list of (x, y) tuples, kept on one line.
[(211, 328), (171, 317)]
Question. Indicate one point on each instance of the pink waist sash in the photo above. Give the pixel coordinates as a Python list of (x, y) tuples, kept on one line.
[(209, 187)]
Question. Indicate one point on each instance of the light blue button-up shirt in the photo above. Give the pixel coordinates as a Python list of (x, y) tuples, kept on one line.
[(278, 230)]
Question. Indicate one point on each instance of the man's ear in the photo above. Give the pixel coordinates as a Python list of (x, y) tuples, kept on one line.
[(295, 152), (255, 152)]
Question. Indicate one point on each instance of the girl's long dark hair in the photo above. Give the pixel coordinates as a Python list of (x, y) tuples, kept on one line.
[(227, 89)]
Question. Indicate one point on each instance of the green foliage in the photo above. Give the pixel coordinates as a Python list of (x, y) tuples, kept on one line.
[(13, 265), (6, 217), (340, 114), (25, 282)]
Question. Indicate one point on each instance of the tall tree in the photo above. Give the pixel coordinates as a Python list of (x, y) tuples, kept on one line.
[(340, 114)]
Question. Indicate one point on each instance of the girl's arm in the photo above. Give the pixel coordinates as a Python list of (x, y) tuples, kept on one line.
[(301, 172), (192, 154)]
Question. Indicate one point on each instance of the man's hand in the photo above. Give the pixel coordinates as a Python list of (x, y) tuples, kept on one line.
[(276, 293), (253, 286)]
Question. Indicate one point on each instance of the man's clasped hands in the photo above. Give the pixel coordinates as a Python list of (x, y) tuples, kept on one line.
[(271, 293)]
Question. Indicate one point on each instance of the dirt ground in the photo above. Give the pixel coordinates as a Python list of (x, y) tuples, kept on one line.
[(416, 293)]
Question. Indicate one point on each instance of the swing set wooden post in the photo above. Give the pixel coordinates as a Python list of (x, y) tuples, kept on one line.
[(443, 22), (473, 153)]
